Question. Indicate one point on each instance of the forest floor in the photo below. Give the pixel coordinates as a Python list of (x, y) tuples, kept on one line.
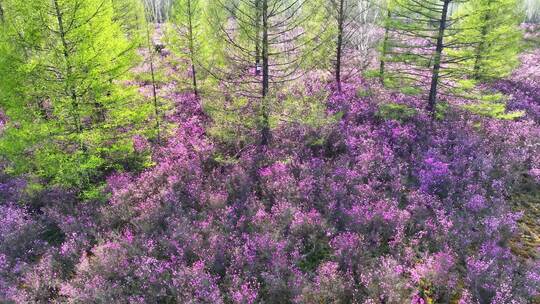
[(170, 82), (171, 85), (361, 194), (526, 199)]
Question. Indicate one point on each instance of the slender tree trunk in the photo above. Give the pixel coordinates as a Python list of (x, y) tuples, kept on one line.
[(385, 46), (192, 49), (480, 48), (438, 57), (341, 20), (154, 87), (265, 131), (70, 88), (257, 40)]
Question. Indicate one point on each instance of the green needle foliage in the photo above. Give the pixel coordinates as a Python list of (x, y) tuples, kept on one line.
[(490, 37), (63, 63), (129, 14)]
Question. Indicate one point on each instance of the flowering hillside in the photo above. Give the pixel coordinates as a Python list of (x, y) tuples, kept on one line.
[(347, 190)]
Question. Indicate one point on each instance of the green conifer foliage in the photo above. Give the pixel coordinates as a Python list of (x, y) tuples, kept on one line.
[(129, 14), (490, 36), (63, 62)]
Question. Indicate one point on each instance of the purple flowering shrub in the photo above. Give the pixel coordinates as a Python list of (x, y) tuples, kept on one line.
[(367, 209), (523, 86)]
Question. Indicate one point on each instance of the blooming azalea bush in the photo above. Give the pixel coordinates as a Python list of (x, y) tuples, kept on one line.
[(364, 209)]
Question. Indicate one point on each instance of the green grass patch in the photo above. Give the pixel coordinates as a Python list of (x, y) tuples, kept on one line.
[(395, 111)]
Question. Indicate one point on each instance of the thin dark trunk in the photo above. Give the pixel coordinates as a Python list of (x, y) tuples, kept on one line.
[(437, 60), (265, 131), (481, 46), (341, 20), (154, 87), (385, 46), (257, 40), (192, 50), (194, 79), (70, 89)]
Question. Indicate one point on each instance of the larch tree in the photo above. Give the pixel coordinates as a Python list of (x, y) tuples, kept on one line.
[(340, 16), (441, 12), (150, 54), (384, 44), (187, 19), (265, 47), (69, 55), (129, 14), (422, 33), (490, 37), (355, 34)]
